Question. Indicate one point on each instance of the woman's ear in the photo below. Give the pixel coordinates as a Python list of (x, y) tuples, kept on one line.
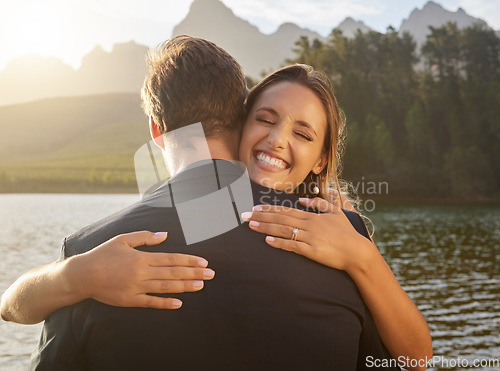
[(156, 133), (320, 165)]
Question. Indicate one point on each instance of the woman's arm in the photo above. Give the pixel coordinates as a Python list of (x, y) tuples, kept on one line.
[(330, 239), (114, 273)]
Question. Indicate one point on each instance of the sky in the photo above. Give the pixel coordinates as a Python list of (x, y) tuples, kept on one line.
[(69, 29)]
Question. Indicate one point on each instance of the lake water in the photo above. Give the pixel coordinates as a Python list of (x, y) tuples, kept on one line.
[(445, 257)]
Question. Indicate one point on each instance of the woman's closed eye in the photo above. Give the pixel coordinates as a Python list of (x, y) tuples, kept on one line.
[(303, 135), (269, 121), (265, 120)]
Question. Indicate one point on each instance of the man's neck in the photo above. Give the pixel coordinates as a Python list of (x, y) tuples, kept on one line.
[(223, 149), (219, 148)]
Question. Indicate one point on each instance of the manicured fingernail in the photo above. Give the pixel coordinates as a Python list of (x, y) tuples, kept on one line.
[(176, 303), (197, 284), (253, 223), (334, 192), (303, 199), (257, 208), (246, 215), (202, 263), (208, 273), (270, 239), (161, 234)]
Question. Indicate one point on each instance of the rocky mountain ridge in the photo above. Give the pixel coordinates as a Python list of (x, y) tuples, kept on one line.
[(122, 70)]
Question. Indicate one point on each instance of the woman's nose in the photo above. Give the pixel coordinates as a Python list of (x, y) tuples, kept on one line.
[(278, 136)]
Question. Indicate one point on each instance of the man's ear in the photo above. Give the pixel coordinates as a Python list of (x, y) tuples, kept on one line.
[(320, 165), (156, 133)]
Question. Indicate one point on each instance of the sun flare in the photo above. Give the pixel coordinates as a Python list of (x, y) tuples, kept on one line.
[(33, 30)]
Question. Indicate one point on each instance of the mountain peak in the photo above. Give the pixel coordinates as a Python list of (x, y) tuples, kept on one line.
[(350, 27), (97, 51), (350, 20), (287, 26), (129, 46), (432, 5), (254, 50), (433, 14), (205, 7)]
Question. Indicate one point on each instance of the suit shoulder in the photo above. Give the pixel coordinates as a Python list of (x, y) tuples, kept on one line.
[(137, 216), (357, 222)]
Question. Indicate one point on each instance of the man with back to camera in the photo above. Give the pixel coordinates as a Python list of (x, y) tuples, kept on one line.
[(257, 313)]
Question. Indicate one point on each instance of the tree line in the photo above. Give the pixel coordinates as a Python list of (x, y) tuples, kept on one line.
[(425, 121)]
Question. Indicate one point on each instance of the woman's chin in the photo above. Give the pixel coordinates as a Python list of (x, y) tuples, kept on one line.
[(273, 183), (264, 180)]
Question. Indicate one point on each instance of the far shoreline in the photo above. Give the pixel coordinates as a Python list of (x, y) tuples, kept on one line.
[(113, 190)]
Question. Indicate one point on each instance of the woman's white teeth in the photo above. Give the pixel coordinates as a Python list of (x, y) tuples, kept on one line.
[(262, 157)]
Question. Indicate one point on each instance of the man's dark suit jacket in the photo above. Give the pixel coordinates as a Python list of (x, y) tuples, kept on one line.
[(265, 308)]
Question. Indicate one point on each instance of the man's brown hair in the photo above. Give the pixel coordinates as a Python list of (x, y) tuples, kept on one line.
[(191, 80)]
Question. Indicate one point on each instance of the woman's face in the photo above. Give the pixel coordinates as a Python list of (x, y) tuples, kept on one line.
[(283, 136)]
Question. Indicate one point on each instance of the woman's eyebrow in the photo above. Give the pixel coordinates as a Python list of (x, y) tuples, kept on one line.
[(268, 109)]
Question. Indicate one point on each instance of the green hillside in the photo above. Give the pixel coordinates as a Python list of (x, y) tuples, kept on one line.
[(71, 144)]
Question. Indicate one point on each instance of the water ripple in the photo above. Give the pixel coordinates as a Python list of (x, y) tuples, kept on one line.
[(445, 257)]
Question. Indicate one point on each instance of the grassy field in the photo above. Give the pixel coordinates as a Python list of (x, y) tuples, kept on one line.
[(71, 145), (95, 174)]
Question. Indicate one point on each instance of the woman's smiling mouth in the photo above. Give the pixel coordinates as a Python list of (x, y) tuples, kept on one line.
[(269, 161)]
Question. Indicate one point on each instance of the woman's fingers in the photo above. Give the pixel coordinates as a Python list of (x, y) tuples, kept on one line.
[(348, 206), (277, 230), (172, 286), (121, 274), (142, 238), (297, 247), (283, 219), (335, 199), (180, 273), (149, 301), (283, 210), (319, 204), (161, 259), (278, 221), (333, 193), (273, 217), (334, 196)]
